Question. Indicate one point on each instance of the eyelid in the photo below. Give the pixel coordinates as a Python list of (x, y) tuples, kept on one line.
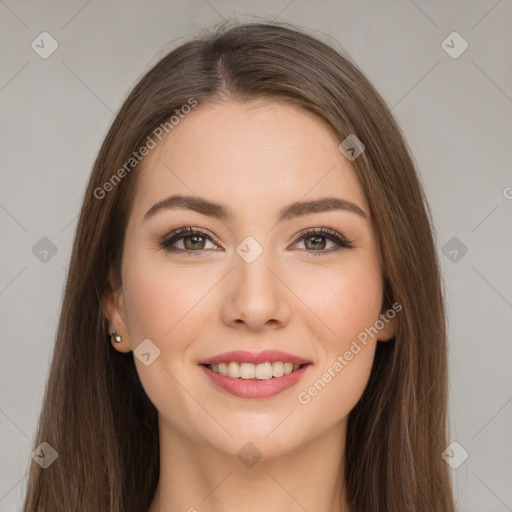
[(323, 230), (182, 231), (167, 239)]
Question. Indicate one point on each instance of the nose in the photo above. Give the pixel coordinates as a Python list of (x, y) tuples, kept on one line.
[(256, 296)]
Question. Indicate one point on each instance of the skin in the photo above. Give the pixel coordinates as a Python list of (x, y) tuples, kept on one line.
[(254, 158)]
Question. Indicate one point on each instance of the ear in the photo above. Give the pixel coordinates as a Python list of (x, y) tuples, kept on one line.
[(388, 318), (114, 310)]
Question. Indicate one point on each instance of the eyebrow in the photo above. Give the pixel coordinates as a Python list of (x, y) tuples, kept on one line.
[(219, 211)]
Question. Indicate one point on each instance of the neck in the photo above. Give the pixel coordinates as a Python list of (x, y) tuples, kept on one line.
[(203, 479)]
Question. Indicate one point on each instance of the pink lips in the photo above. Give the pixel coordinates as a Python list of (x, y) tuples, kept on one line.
[(242, 356), (255, 388)]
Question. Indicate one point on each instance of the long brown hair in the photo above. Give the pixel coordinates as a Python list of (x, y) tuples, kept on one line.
[(95, 413)]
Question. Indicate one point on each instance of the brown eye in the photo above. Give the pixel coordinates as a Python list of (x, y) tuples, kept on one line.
[(316, 240), (187, 240), (192, 242)]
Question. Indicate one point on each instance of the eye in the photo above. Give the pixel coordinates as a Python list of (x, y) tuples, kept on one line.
[(315, 240), (186, 239), (194, 240)]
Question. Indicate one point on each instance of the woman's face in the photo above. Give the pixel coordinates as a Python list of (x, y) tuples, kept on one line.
[(250, 279)]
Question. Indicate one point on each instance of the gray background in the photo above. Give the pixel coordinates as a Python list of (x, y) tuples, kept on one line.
[(456, 116)]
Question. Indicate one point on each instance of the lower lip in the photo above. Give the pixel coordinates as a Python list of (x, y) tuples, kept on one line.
[(254, 388)]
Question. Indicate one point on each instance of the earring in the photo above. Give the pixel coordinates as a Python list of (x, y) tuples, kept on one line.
[(117, 337)]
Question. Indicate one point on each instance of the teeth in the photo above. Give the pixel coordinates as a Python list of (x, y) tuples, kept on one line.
[(278, 369), (247, 370), (264, 371), (261, 371), (234, 370)]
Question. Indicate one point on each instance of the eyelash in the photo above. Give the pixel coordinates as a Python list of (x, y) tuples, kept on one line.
[(166, 241)]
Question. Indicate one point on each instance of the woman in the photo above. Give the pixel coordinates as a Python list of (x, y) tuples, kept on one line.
[(253, 317)]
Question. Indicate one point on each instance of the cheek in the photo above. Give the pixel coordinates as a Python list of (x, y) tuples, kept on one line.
[(164, 308), (158, 301), (345, 300), (346, 357)]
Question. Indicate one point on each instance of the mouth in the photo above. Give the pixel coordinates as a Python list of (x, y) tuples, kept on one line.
[(249, 380), (251, 371)]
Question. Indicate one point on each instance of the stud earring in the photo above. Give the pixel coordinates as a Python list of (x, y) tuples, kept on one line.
[(117, 337)]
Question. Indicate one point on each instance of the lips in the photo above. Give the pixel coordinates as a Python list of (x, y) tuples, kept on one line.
[(263, 385), (243, 356)]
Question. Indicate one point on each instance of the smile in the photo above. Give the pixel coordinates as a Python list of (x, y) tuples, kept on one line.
[(261, 371), (255, 388), (248, 374)]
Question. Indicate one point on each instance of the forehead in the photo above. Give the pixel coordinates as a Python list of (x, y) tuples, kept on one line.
[(250, 155)]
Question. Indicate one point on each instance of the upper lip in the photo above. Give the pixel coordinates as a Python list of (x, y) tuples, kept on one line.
[(243, 356)]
